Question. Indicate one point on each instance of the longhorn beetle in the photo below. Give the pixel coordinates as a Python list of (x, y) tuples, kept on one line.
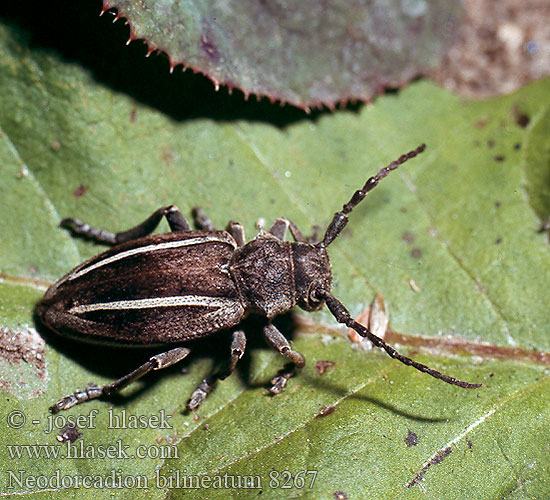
[(189, 283)]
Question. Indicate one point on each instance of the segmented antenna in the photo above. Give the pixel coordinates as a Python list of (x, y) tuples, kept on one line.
[(342, 316), (340, 219)]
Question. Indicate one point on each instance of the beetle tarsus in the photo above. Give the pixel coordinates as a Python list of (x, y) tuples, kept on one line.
[(279, 381), (238, 346), (82, 229), (199, 394), (279, 342), (276, 339), (91, 392), (175, 218)]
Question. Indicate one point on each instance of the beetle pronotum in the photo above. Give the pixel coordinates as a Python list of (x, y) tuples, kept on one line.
[(174, 287)]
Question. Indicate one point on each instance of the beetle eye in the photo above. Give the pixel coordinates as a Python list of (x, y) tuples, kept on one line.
[(315, 294)]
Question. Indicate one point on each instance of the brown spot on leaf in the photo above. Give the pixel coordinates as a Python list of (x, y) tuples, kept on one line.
[(481, 123), (322, 366), (80, 191), (440, 455), (437, 458), (411, 439), (69, 433), (416, 253), (469, 443), (517, 146), (55, 145), (498, 241), (522, 119), (327, 410), (490, 143), (340, 495), (167, 155), (499, 158), (408, 237)]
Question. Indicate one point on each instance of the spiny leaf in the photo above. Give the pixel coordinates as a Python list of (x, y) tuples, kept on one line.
[(301, 52)]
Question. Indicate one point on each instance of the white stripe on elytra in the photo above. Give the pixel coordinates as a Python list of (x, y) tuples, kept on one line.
[(146, 249), (184, 300)]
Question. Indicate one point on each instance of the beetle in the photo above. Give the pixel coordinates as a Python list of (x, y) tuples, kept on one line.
[(179, 286)]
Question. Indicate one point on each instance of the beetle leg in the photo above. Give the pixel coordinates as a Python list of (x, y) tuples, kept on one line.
[(279, 342), (157, 362), (280, 227), (201, 220), (238, 345), (236, 230), (175, 219)]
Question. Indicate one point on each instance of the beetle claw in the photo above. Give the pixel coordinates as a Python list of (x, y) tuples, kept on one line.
[(200, 393), (92, 392), (279, 381)]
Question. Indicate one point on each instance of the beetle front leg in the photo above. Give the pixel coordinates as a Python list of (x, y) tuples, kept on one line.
[(238, 345), (279, 342), (280, 227), (175, 219), (157, 362), (236, 230)]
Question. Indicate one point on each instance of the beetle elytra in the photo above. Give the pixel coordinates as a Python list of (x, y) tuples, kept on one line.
[(189, 283)]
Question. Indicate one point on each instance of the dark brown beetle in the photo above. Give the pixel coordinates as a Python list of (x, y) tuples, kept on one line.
[(173, 287)]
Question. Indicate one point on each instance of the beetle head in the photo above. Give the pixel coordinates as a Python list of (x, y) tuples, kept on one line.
[(312, 271)]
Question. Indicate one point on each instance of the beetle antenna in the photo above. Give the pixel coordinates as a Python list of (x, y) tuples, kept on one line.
[(342, 316), (340, 219)]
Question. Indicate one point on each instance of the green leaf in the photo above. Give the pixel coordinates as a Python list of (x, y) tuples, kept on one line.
[(298, 51), (459, 221), (537, 166)]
